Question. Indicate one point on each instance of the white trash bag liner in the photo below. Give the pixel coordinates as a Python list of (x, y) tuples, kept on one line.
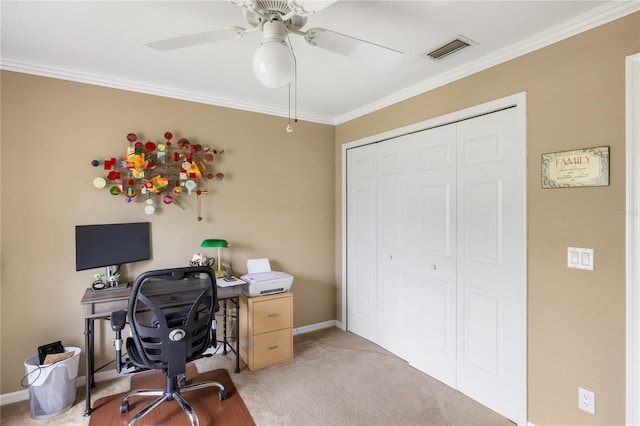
[(52, 387)]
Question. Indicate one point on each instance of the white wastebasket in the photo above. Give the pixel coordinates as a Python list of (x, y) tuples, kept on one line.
[(52, 387)]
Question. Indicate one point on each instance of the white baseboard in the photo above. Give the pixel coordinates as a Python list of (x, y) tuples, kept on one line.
[(22, 395), (315, 327)]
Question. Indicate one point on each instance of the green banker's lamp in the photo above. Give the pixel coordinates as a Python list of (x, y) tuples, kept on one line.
[(217, 244)]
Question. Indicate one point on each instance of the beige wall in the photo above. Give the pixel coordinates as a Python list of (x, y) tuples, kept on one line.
[(576, 319), (276, 202)]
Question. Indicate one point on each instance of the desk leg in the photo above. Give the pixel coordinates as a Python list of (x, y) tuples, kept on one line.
[(237, 330), (224, 327), (88, 346)]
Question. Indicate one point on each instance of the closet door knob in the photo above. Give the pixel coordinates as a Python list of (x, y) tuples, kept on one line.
[(434, 267), (390, 257)]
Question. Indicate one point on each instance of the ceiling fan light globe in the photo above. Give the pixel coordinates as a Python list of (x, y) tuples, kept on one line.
[(273, 64)]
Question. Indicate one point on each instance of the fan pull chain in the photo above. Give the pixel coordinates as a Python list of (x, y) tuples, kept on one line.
[(199, 205), (295, 89)]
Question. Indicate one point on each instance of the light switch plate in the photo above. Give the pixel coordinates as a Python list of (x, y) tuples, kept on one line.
[(580, 258)]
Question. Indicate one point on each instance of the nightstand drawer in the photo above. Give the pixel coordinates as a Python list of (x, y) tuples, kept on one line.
[(272, 348), (271, 315)]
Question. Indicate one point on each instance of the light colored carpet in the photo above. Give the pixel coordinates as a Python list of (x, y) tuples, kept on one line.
[(335, 378)]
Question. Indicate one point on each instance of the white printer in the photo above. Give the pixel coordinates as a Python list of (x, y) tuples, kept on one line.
[(262, 280)]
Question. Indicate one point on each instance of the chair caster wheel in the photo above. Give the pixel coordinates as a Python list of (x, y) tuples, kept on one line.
[(124, 407), (182, 382), (222, 395)]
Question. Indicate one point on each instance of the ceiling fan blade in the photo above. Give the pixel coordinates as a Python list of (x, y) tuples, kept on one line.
[(351, 47), (198, 38)]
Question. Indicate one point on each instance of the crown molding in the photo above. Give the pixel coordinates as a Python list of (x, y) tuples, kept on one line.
[(589, 20), (139, 87)]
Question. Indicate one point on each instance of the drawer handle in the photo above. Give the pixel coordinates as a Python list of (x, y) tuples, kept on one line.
[(272, 347), (272, 315)]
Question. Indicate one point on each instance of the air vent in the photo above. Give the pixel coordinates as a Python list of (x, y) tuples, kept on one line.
[(447, 49)]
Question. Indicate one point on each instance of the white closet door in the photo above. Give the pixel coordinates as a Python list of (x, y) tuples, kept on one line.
[(436, 254), (377, 233), (433, 177), (362, 295), (393, 232), (491, 262)]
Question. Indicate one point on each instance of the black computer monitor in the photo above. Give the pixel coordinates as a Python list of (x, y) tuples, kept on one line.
[(110, 245)]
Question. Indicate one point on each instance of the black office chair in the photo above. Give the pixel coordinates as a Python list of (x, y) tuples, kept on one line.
[(170, 315)]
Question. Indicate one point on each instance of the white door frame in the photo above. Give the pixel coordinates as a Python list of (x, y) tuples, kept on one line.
[(519, 100), (633, 239)]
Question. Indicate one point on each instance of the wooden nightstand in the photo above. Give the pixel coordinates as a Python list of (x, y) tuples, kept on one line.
[(266, 329)]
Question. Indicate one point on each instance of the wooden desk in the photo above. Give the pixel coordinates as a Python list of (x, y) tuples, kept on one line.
[(100, 305)]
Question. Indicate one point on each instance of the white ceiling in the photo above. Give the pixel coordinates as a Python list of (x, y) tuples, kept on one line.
[(102, 42)]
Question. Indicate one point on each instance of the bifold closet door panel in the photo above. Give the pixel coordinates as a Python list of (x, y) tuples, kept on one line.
[(393, 248), (362, 222), (377, 235), (433, 187), (491, 241)]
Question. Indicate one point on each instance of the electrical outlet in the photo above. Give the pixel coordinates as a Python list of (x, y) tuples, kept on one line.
[(587, 400)]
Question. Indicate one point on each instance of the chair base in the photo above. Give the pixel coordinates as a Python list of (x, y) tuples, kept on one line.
[(173, 391)]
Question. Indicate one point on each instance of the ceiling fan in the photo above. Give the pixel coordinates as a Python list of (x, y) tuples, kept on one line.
[(274, 62)]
